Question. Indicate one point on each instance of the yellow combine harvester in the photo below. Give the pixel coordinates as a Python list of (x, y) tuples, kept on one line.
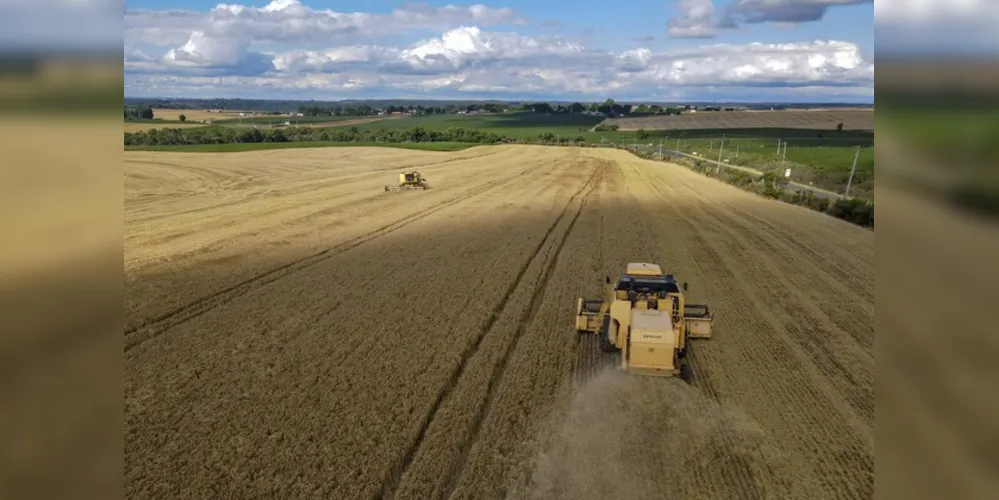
[(644, 316), (409, 180)]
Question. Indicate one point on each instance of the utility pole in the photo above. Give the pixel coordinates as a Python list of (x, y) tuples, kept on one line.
[(853, 169), (660, 150), (721, 147), (678, 144)]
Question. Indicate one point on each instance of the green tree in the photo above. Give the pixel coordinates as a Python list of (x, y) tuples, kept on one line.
[(576, 108), (182, 118), (642, 134), (146, 113), (541, 107)]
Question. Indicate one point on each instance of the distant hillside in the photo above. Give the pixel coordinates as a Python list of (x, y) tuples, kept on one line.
[(826, 119), (290, 106)]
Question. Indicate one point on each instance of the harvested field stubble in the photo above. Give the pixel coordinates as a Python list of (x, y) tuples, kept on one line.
[(143, 126), (294, 331), (634, 437)]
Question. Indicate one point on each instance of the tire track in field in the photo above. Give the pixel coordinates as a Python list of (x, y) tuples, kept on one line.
[(842, 464), (392, 483), (835, 269), (822, 341), (589, 358), (735, 476), (835, 274), (839, 460), (156, 326), (821, 356), (803, 413), (861, 331), (312, 185), (526, 319), (338, 182)]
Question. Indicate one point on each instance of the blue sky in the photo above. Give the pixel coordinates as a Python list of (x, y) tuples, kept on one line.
[(751, 50)]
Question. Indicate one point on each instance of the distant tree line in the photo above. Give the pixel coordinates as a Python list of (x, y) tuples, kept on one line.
[(226, 135), (139, 113), (608, 107), (347, 110)]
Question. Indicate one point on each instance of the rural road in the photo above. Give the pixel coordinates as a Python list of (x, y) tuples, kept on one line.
[(294, 331)]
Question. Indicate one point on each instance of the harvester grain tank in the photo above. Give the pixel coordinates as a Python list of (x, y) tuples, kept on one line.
[(644, 317)]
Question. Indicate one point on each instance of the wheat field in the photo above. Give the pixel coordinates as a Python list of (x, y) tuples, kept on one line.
[(294, 331)]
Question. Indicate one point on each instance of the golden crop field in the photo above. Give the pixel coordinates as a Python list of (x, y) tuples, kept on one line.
[(292, 330), (143, 126), (193, 114)]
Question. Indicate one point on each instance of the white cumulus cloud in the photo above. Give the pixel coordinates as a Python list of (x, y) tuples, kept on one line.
[(292, 21), (696, 19), (466, 58)]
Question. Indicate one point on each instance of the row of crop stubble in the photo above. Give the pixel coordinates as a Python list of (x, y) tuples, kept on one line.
[(336, 366), (794, 295), (431, 359)]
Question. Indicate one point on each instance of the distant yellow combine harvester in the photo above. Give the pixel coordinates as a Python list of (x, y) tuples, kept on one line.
[(644, 317), (409, 180)]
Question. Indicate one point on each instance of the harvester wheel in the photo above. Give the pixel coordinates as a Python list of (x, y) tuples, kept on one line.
[(686, 373), (605, 344)]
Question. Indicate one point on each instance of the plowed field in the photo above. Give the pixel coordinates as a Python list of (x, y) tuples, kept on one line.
[(293, 331), (824, 119)]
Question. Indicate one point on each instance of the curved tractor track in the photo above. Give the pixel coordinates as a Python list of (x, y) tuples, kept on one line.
[(293, 331)]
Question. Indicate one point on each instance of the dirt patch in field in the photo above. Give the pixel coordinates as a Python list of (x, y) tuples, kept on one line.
[(635, 437)]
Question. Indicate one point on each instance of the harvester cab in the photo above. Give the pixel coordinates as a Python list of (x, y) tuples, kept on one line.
[(409, 180), (644, 316)]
